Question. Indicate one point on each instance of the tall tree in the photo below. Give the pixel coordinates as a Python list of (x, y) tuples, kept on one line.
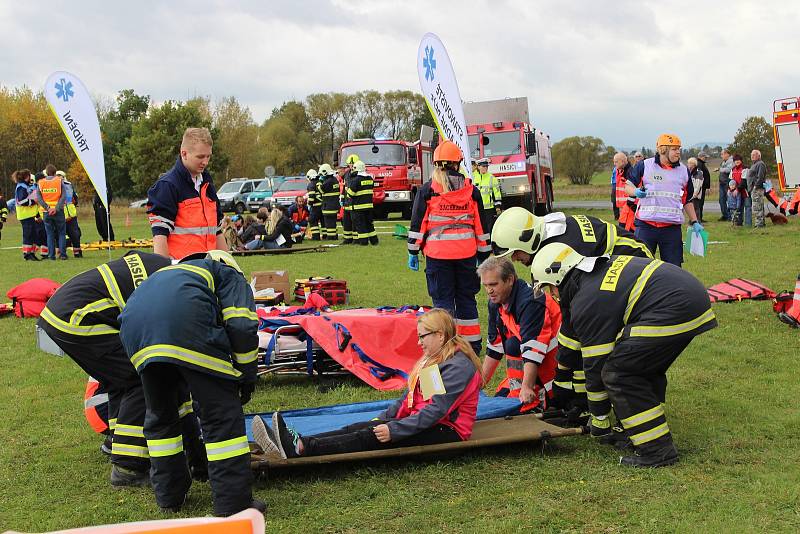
[(755, 133), (348, 106), (324, 111), (370, 114), (238, 138), (116, 126), (288, 140), (581, 157), (154, 144)]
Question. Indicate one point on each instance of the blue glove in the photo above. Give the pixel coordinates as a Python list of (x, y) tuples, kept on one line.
[(697, 227), (641, 193), (413, 262)]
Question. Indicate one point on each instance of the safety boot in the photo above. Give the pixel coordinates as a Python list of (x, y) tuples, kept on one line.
[(659, 453), (258, 504), (124, 478)]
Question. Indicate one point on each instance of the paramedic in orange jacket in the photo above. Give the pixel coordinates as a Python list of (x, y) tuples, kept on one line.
[(446, 226), (624, 206), (524, 328), (182, 205)]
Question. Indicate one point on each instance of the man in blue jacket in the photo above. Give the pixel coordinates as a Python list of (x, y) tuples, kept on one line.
[(195, 323)]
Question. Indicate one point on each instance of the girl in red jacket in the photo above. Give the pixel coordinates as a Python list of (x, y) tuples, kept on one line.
[(439, 406)]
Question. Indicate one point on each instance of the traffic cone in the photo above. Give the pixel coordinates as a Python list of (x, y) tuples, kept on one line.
[(128, 219)]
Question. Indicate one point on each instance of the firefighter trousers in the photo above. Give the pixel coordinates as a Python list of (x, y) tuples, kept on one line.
[(347, 225), (315, 222), (452, 285), (635, 376), (227, 449), (329, 226), (364, 228), (74, 236), (104, 358), (103, 224)]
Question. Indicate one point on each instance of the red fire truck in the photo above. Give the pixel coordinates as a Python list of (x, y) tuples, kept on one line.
[(786, 130), (519, 154), (398, 167)]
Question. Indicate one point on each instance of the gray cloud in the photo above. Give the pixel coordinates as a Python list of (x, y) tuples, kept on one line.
[(624, 71)]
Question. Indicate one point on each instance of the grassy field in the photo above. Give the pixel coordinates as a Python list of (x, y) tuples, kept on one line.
[(732, 404)]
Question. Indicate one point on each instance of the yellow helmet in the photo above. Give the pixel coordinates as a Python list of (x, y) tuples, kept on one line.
[(224, 257), (359, 166), (517, 229), (352, 158), (668, 140), (311, 174), (325, 169), (552, 264)]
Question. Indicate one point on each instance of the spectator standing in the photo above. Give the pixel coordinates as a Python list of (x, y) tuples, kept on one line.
[(755, 187), (739, 175), (724, 177), (71, 216), (706, 185), (697, 183), (619, 177), (52, 198), (102, 218)]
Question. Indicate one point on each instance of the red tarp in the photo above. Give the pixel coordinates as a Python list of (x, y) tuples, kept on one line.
[(739, 289), (383, 342)]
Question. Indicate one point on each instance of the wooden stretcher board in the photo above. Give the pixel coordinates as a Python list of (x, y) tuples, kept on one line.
[(259, 252), (485, 433)]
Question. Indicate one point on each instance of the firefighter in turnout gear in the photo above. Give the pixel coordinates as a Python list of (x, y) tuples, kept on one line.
[(219, 367), (314, 205), (360, 187), (328, 192), (446, 226), (522, 327), (82, 319), (649, 313), (489, 187), (348, 230)]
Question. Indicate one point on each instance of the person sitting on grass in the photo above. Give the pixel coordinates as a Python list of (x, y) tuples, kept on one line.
[(253, 229), (440, 405), (278, 234)]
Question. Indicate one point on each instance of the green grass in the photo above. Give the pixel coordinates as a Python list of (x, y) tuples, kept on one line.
[(732, 405)]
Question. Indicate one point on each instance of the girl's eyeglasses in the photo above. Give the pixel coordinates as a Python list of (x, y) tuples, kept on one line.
[(422, 336)]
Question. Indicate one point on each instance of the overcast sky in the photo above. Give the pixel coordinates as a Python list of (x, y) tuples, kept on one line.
[(623, 71)]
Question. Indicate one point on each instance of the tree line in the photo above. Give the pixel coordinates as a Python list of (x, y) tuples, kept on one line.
[(141, 138), (579, 158)]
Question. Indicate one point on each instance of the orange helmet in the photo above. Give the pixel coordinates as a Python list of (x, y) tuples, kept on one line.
[(447, 151), (668, 140)]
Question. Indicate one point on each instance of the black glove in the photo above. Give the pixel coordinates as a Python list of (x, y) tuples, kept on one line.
[(561, 397), (246, 390)]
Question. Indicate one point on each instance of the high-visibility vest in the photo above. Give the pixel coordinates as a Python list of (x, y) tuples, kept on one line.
[(70, 209), (195, 226), (620, 196), (451, 226), (489, 188), (51, 190), (665, 187), (95, 406), (26, 212)]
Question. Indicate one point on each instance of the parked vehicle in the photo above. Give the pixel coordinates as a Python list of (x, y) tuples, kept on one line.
[(519, 154), (289, 190), (261, 197), (232, 194)]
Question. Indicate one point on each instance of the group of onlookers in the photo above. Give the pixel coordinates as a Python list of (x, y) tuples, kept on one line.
[(278, 228)]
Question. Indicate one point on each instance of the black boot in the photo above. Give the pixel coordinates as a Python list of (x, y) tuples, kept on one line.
[(657, 453), (122, 477), (788, 319)]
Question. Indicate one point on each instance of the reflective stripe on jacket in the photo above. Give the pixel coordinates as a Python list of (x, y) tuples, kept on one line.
[(28, 192), (489, 187), (665, 190)]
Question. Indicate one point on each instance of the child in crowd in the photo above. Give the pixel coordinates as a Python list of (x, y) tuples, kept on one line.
[(440, 405), (734, 203)]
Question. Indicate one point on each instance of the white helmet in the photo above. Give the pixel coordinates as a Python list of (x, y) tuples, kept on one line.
[(552, 264), (517, 229), (359, 166), (311, 174), (325, 169)]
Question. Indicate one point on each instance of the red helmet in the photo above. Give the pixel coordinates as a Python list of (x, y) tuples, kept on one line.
[(447, 151)]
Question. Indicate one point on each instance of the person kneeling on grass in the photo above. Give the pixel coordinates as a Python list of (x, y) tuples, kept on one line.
[(439, 406)]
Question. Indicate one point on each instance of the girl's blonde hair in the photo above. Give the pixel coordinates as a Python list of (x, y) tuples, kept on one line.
[(439, 320), (274, 217)]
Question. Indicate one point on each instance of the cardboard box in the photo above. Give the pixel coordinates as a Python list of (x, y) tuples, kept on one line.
[(277, 280)]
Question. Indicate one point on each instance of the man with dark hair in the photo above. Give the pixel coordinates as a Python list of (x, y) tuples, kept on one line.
[(52, 198)]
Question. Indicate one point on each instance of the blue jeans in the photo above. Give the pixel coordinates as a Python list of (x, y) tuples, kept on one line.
[(56, 228), (723, 201), (256, 244), (668, 239)]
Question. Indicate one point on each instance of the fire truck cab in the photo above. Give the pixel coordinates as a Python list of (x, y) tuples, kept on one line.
[(519, 155), (786, 130)]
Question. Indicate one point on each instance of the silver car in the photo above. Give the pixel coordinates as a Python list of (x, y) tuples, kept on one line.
[(232, 195)]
